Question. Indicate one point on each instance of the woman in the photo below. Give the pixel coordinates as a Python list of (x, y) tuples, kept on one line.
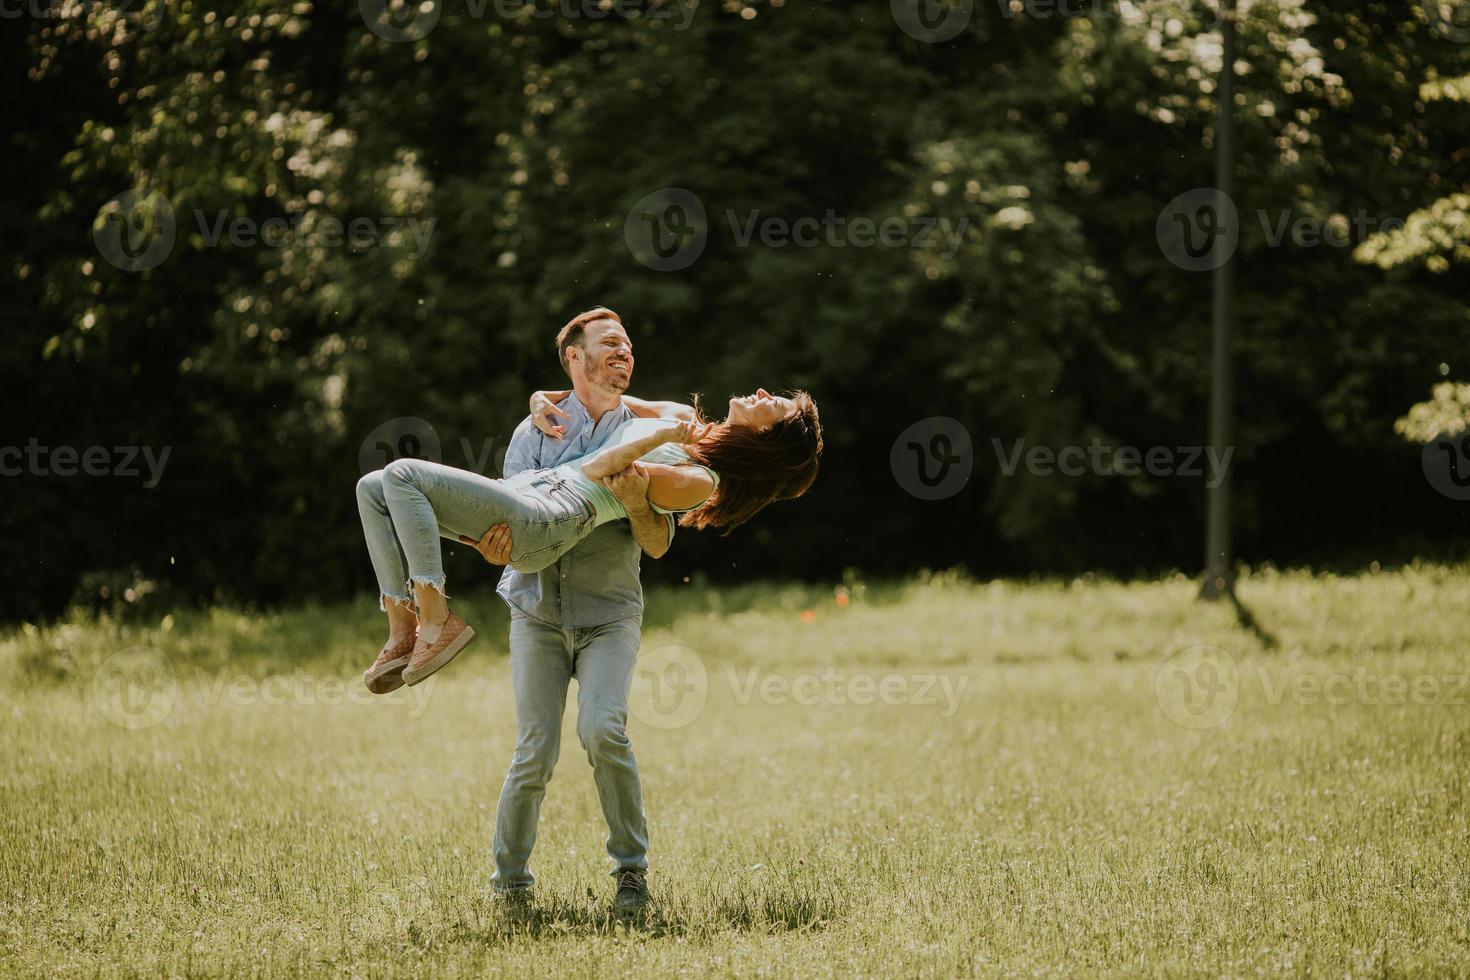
[(712, 474)]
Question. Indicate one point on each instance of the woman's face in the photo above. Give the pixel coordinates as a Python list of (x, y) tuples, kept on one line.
[(760, 410)]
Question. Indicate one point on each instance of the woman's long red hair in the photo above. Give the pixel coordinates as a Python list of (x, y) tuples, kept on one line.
[(756, 466)]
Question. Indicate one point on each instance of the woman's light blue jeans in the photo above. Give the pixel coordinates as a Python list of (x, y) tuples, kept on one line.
[(408, 505)]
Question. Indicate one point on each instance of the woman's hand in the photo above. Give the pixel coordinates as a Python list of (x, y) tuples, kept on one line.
[(685, 433), (614, 459), (543, 408)]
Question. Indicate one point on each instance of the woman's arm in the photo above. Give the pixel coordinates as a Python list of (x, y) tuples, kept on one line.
[(678, 488), (659, 410), (615, 459), (543, 406), (554, 397)]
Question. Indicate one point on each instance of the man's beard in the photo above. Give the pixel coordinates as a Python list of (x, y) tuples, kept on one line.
[(603, 376)]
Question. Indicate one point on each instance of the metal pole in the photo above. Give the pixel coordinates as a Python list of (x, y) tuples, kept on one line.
[(1219, 576)]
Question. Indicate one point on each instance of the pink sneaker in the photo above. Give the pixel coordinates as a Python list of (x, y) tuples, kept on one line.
[(386, 673), (427, 659)]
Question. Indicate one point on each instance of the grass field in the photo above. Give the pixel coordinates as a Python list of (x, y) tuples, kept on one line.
[(938, 777)]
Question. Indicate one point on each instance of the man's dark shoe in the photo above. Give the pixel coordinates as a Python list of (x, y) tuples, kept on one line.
[(632, 896)]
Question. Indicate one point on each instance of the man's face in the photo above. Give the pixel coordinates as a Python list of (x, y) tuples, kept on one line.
[(605, 356)]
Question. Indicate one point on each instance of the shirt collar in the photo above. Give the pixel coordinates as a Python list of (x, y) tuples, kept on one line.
[(612, 417)]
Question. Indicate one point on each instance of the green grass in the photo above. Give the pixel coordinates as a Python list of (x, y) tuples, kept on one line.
[(1052, 818)]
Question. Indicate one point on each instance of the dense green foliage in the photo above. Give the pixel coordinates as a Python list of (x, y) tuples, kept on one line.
[(527, 139)]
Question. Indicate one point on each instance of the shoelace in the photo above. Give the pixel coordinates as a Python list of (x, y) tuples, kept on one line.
[(630, 879)]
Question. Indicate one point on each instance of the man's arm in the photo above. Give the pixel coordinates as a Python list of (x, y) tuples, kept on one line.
[(659, 410), (653, 532), (544, 404)]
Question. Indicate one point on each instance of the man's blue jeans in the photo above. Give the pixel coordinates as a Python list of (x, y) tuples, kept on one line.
[(543, 660)]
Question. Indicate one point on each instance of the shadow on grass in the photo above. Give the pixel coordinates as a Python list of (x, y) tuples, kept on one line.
[(1248, 622), (549, 916)]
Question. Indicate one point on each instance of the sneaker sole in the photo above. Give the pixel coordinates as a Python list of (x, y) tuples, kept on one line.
[(412, 677), (387, 678)]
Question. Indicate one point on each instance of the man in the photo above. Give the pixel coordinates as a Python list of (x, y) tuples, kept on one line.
[(579, 618)]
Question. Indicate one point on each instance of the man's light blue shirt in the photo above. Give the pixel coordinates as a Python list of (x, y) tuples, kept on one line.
[(597, 581)]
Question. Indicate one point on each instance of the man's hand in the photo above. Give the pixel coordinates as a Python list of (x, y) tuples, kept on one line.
[(650, 530), (494, 546), (542, 409), (630, 486)]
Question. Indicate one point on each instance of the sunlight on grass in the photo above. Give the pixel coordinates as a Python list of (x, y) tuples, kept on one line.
[(939, 776)]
